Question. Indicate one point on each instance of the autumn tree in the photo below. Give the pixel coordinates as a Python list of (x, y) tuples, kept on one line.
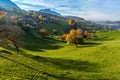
[(72, 23), (2, 17), (68, 38), (13, 18), (63, 37), (74, 37), (72, 32), (77, 39), (79, 31), (41, 18), (43, 32)]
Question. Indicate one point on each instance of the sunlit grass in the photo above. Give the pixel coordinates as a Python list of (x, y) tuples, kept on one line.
[(41, 60)]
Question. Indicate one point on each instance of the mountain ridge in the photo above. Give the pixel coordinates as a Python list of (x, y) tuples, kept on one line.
[(49, 11), (9, 5)]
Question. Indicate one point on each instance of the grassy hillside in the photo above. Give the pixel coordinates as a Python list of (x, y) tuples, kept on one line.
[(97, 59), (60, 26)]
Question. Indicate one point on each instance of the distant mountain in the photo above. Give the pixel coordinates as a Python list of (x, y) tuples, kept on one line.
[(51, 21), (78, 19), (49, 11), (1, 9), (109, 24), (9, 5)]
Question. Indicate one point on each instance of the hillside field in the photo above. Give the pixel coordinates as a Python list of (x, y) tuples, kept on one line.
[(96, 59)]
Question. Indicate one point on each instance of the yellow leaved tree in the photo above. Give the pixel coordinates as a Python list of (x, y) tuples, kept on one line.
[(2, 15), (41, 18)]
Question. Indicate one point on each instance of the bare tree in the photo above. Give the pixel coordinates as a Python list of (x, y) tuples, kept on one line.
[(12, 34)]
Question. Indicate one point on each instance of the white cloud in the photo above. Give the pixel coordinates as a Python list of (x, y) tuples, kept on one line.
[(25, 7)]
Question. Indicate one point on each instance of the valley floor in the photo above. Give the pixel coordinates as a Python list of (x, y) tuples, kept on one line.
[(43, 60)]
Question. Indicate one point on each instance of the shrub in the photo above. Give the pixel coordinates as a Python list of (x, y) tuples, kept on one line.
[(54, 31), (43, 32)]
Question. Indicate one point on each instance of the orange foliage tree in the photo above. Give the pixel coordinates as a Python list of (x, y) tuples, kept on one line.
[(13, 18), (74, 37), (63, 36), (72, 23), (2, 17)]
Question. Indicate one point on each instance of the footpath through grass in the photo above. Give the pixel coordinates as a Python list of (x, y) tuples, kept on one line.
[(42, 60)]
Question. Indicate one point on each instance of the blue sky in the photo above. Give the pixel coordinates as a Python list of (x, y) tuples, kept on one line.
[(88, 9)]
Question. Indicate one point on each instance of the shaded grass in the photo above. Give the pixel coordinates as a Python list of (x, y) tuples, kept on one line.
[(4, 51), (77, 65), (32, 68), (36, 44)]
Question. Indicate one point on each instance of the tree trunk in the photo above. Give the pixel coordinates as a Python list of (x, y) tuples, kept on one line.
[(76, 45), (17, 48)]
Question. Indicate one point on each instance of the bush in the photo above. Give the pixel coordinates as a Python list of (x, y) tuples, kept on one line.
[(43, 32), (54, 31)]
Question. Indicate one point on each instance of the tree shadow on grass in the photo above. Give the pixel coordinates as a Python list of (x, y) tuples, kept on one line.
[(89, 44), (5, 51), (65, 64), (33, 43), (33, 68), (77, 65), (105, 38)]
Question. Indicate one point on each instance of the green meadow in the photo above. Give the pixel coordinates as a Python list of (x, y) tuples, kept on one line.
[(40, 59)]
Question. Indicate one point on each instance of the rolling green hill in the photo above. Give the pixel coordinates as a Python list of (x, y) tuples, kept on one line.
[(39, 59)]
